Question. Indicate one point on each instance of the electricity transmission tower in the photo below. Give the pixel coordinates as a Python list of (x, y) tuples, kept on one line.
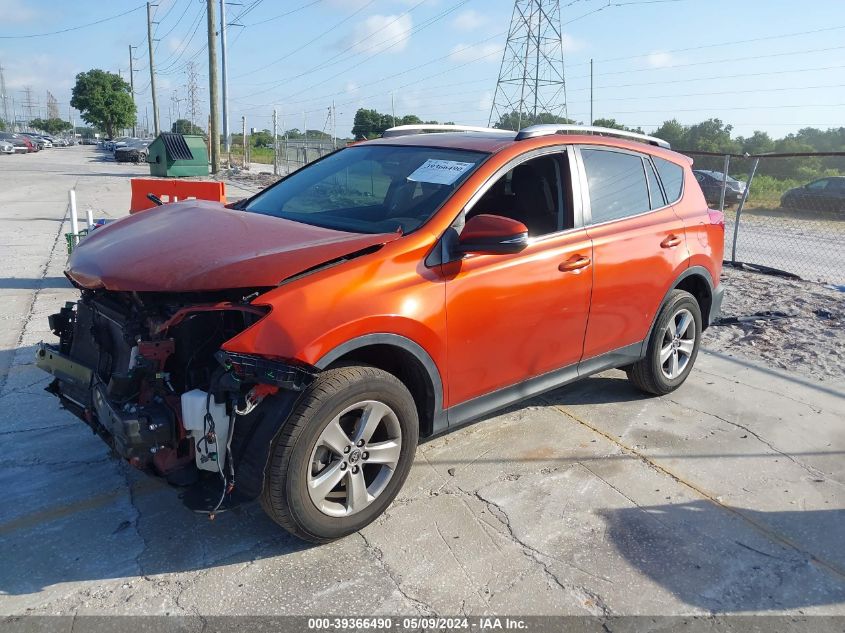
[(531, 78), (193, 93), (52, 106), (5, 98), (29, 104)]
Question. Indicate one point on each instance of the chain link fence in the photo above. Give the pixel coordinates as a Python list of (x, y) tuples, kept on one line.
[(782, 211), (286, 156)]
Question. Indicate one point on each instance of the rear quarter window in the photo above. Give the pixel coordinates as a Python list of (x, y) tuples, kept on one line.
[(672, 177)]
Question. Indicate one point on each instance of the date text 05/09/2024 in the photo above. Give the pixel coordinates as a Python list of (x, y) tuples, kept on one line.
[(485, 623)]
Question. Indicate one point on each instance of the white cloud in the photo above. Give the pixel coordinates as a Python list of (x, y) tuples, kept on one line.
[(486, 101), (350, 87), (174, 43), (572, 44), (15, 11), (660, 59), (469, 20), (379, 32), (472, 52)]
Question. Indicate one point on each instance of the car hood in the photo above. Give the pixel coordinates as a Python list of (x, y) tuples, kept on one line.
[(197, 245)]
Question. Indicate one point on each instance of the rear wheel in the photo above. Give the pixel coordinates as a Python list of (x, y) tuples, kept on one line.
[(672, 347), (343, 455)]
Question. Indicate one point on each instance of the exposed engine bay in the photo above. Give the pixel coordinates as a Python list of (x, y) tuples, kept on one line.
[(146, 372)]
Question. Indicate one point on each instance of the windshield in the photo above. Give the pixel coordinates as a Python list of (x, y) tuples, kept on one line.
[(369, 189)]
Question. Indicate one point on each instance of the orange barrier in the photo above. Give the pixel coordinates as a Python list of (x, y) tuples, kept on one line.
[(173, 190)]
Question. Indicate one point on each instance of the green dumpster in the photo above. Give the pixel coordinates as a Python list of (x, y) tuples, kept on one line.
[(177, 155)]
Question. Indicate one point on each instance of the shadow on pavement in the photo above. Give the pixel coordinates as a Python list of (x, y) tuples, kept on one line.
[(28, 283), (699, 553)]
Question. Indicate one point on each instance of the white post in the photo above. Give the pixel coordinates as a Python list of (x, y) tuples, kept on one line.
[(74, 219), (89, 213)]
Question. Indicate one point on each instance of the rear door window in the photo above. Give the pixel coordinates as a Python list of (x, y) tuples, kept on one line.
[(617, 184)]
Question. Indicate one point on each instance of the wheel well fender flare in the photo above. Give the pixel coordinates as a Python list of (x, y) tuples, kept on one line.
[(403, 343), (692, 271)]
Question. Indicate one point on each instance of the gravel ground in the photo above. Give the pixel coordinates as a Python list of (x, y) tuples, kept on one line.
[(801, 324)]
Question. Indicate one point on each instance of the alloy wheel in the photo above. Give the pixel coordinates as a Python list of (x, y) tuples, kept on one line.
[(354, 458), (678, 344)]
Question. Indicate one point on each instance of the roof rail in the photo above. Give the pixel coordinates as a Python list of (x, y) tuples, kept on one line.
[(547, 129), (404, 130)]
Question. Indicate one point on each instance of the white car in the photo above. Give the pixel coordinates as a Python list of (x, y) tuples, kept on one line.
[(6, 147)]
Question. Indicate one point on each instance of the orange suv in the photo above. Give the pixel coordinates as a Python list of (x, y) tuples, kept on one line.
[(294, 346)]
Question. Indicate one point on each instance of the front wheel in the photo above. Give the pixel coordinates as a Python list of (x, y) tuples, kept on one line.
[(672, 346), (343, 454)]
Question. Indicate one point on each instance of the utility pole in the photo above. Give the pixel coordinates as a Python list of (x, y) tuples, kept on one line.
[(275, 145), (392, 109), (224, 70), (132, 88), (214, 114), (152, 68), (243, 138), (591, 92), (5, 99), (334, 127)]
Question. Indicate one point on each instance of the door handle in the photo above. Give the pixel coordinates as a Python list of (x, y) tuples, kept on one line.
[(577, 262), (669, 242)]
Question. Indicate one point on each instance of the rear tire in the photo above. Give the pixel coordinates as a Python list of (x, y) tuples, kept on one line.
[(672, 346), (343, 455)]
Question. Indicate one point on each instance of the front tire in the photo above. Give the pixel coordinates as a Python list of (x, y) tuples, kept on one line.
[(343, 455), (672, 346)]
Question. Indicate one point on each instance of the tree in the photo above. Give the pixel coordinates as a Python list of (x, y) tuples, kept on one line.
[(264, 138), (51, 126), (673, 133), (184, 126), (2, 125), (516, 121), (757, 143), (614, 125), (372, 124), (104, 100)]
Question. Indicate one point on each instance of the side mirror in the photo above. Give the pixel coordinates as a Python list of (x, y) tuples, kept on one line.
[(493, 235)]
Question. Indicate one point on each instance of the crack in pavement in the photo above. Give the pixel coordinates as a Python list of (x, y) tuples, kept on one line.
[(784, 541), (4, 377), (422, 607), (809, 469), (588, 600), (459, 564)]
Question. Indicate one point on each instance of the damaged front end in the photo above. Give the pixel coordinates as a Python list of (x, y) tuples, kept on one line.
[(146, 372)]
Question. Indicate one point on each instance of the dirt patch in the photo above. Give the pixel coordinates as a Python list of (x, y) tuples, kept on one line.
[(789, 324)]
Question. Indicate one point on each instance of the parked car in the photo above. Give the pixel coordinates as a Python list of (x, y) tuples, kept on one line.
[(297, 340), (6, 147), (711, 185), (19, 144), (135, 151), (824, 194), (39, 142)]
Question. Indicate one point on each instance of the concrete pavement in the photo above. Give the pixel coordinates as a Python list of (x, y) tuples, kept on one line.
[(728, 496)]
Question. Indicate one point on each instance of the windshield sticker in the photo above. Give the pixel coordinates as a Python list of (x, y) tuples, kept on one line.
[(439, 172)]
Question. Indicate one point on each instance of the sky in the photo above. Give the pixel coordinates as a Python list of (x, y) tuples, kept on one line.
[(756, 64)]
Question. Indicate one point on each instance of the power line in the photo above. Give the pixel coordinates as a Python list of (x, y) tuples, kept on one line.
[(72, 28), (306, 44), (178, 22), (286, 13)]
